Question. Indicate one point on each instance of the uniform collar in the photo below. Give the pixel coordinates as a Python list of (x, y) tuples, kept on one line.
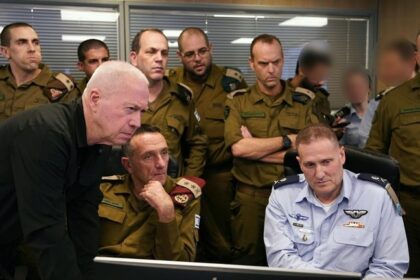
[(80, 124), (165, 95), (41, 79), (307, 193), (286, 94), (128, 185), (211, 79)]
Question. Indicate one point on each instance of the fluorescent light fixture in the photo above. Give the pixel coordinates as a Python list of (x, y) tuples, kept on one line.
[(81, 38), (305, 21), (172, 33), (173, 44), (244, 41), (80, 15), (238, 16)]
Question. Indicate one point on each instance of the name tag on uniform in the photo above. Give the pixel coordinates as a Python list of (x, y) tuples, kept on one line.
[(253, 115)]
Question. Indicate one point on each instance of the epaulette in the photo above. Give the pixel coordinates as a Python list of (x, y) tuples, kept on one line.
[(187, 188), (113, 178), (237, 93), (324, 91), (169, 72), (380, 95), (184, 93), (385, 184), (112, 203), (58, 86), (302, 95), (286, 181), (231, 79)]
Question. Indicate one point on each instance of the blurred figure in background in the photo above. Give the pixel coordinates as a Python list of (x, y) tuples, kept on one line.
[(357, 84), (397, 64)]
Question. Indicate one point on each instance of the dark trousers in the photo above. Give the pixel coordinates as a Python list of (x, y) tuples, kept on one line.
[(410, 201)]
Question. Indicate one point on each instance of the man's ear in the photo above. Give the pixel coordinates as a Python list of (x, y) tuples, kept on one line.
[(80, 66), (126, 164), (4, 52), (211, 48), (179, 55), (94, 98), (133, 58), (342, 155)]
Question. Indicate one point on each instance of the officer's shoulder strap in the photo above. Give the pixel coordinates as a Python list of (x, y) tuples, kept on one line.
[(382, 93), (58, 86), (385, 184), (193, 184), (233, 73), (286, 181), (184, 93), (232, 78), (237, 92), (373, 178), (113, 178), (303, 95), (170, 72)]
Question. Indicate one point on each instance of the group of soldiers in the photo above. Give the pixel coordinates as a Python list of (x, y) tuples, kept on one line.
[(228, 141)]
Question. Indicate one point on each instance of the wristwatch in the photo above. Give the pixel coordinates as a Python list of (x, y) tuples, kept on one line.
[(287, 143)]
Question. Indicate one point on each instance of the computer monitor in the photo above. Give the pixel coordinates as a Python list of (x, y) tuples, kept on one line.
[(139, 269)]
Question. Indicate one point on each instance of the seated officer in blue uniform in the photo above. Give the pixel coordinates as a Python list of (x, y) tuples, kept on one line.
[(332, 219)]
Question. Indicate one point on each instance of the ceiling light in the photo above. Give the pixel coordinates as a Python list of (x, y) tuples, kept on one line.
[(172, 33), (89, 15), (81, 38), (173, 44), (244, 41), (305, 21), (238, 16)]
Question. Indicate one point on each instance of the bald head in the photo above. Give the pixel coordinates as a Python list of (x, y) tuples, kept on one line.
[(113, 99)]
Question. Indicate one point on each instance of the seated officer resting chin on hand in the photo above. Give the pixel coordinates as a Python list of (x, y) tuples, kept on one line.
[(147, 214), (330, 218)]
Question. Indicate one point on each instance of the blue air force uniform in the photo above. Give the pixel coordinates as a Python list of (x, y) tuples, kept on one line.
[(362, 231)]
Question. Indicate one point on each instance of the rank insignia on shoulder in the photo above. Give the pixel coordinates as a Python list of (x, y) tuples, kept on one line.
[(186, 189), (355, 214), (58, 86), (184, 93), (113, 178), (231, 79), (286, 181), (385, 184), (324, 91), (236, 93), (305, 91), (382, 93)]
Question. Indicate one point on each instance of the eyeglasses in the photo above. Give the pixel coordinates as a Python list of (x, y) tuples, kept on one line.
[(191, 54)]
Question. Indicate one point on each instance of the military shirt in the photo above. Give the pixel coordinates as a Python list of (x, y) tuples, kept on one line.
[(264, 118), (174, 113), (47, 87), (322, 107), (131, 228), (396, 129), (82, 84), (209, 99), (360, 232), (351, 135)]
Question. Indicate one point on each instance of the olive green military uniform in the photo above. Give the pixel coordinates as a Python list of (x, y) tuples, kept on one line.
[(264, 117), (82, 84), (131, 228), (321, 106), (396, 131), (209, 98), (47, 87), (174, 113)]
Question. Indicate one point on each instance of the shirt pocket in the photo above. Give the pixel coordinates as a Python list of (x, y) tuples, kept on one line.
[(111, 213), (409, 127), (356, 242), (304, 240), (256, 122), (215, 123), (175, 129), (291, 121)]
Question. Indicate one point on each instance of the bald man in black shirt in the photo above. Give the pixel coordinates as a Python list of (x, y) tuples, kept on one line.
[(51, 161)]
